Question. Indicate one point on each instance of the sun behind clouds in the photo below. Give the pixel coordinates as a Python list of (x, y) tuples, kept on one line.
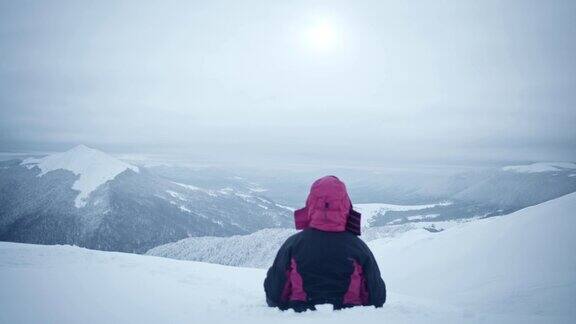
[(322, 36)]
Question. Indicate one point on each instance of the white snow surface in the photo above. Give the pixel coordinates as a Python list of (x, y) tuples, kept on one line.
[(521, 263), (541, 167), (518, 268), (64, 284), (93, 167)]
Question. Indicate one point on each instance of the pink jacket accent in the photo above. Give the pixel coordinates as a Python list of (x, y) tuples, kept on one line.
[(327, 206), (294, 288), (357, 293)]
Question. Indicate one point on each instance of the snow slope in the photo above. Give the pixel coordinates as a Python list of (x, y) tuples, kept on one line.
[(541, 167), (93, 167), (518, 268), (521, 263), (64, 284)]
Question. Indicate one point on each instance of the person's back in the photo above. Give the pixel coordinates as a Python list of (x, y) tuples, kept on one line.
[(325, 263)]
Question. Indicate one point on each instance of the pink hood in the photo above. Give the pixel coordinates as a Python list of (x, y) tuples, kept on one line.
[(328, 207)]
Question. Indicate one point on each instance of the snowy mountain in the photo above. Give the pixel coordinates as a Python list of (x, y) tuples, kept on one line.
[(373, 211), (515, 187), (518, 268), (486, 193), (88, 198), (543, 167), (451, 192), (93, 168)]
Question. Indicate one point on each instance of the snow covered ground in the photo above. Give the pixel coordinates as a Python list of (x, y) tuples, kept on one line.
[(519, 264), (518, 268), (63, 284)]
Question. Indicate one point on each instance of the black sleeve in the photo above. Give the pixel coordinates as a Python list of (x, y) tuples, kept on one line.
[(376, 286), (276, 276)]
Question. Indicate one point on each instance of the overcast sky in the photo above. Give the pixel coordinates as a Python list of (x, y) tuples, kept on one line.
[(292, 80)]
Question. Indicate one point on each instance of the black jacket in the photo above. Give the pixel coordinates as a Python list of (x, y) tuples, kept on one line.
[(325, 263)]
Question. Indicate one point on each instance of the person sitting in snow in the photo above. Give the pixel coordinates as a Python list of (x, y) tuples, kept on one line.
[(326, 262)]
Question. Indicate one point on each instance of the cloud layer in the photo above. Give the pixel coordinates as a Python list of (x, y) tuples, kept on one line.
[(460, 80)]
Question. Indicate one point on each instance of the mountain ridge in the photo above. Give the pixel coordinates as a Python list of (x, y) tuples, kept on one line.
[(118, 207), (93, 168)]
